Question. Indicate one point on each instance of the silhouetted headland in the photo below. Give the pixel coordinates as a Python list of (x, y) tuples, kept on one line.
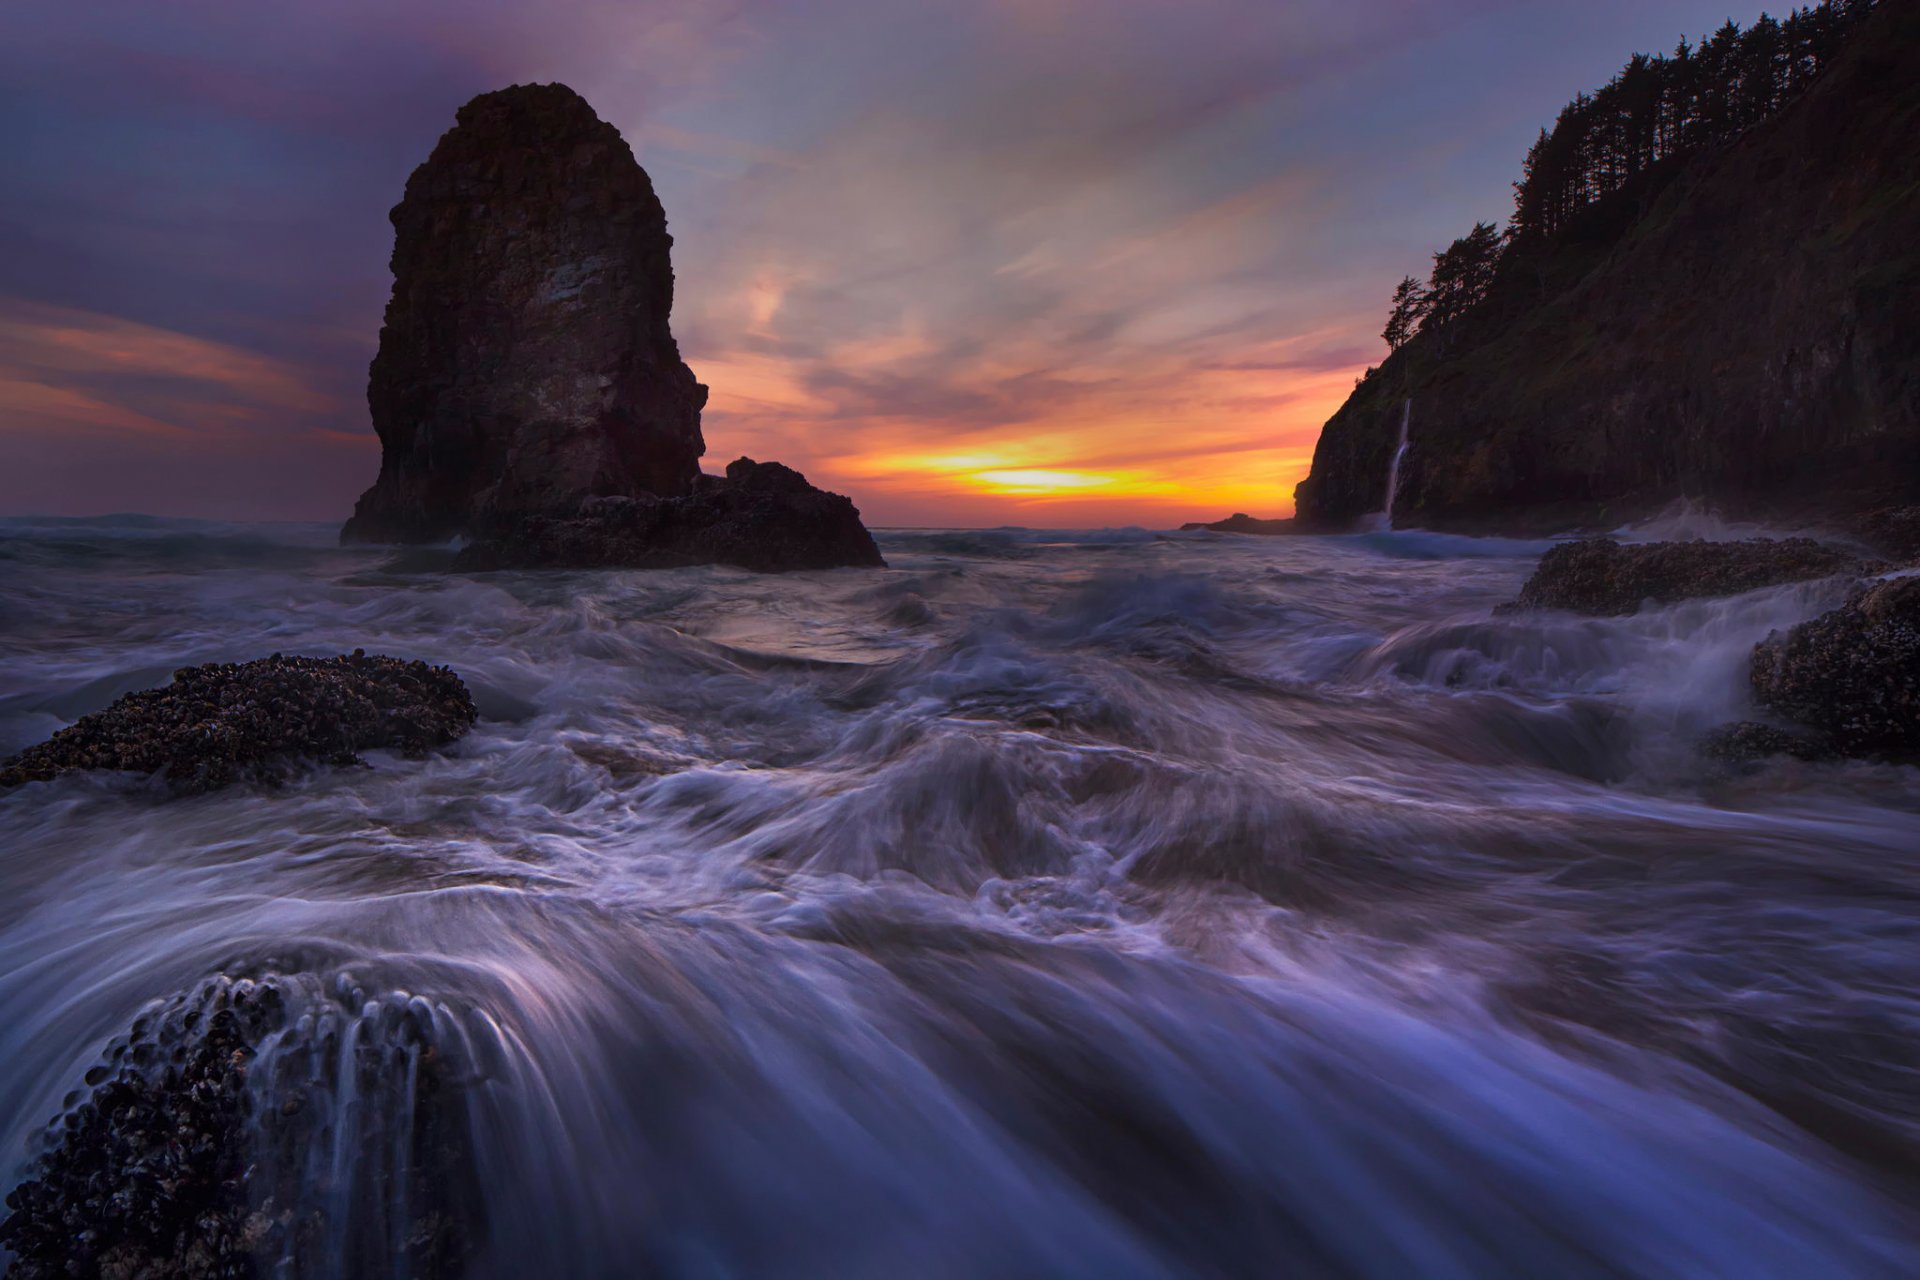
[(1708, 290)]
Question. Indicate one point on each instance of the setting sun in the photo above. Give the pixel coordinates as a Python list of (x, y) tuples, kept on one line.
[(1040, 480)]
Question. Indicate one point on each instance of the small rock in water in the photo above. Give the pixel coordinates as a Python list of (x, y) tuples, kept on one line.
[(1603, 577), (1853, 673), (225, 722)]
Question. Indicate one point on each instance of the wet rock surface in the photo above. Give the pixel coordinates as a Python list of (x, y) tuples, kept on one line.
[(259, 721), (1853, 674), (145, 1176), (1894, 531), (1603, 577), (763, 516), (526, 359), (1749, 742), (212, 1142)]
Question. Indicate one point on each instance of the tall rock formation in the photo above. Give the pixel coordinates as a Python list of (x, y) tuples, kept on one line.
[(526, 361), (1743, 328)]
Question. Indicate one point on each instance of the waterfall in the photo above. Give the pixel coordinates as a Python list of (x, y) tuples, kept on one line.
[(1399, 452)]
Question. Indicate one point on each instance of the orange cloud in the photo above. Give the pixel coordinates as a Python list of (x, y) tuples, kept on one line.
[(64, 370), (1166, 444), (24, 402), (974, 334)]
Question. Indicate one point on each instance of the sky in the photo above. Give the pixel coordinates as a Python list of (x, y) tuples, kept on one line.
[(972, 262)]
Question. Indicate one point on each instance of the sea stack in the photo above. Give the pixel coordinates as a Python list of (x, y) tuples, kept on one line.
[(526, 361), (527, 373)]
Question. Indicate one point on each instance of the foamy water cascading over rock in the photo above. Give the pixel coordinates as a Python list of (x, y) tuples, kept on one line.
[(1058, 905)]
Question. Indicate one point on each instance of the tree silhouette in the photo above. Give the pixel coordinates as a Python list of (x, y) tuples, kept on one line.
[(1409, 309), (1658, 109), (1462, 274)]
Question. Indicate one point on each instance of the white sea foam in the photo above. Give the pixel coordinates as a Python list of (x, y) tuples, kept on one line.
[(1044, 905)]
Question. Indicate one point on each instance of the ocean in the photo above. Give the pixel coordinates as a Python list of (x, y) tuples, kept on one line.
[(1101, 904)]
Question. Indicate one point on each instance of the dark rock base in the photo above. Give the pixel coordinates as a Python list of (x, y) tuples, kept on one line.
[(259, 721), (145, 1177), (1602, 577), (1749, 742), (763, 516), (1852, 674), (1894, 531)]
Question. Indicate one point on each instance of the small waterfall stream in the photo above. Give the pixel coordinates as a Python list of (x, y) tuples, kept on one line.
[(1399, 452)]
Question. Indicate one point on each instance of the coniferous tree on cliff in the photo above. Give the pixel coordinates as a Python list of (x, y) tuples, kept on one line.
[(1706, 286), (1658, 109), (1462, 274), (1409, 309)]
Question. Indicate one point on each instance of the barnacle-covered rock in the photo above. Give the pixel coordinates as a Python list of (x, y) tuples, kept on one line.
[(1748, 742), (1601, 576), (1852, 674), (1893, 530), (226, 722), (143, 1177), (253, 1128)]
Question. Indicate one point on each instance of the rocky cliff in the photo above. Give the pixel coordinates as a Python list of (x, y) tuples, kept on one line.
[(525, 361), (1743, 327)]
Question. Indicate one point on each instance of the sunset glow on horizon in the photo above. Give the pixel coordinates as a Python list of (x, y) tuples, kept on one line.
[(968, 263)]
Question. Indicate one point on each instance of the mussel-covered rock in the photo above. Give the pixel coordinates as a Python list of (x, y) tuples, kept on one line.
[(228, 722), (1601, 576), (762, 516), (1892, 530), (1853, 674), (256, 1128), (144, 1177), (1748, 742)]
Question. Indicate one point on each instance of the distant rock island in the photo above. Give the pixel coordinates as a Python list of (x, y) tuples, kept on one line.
[(527, 373), (1710, 289), (1240, 522)]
